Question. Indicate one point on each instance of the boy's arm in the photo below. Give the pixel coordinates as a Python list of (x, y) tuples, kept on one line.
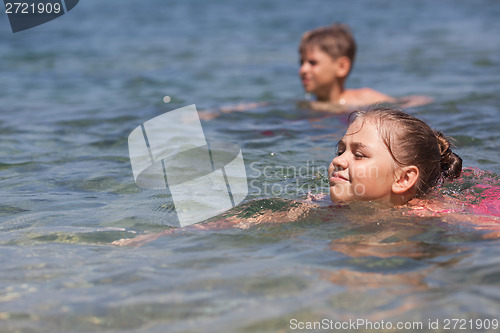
[(369, 96), (414, 100), (323, 107), (210, 114)]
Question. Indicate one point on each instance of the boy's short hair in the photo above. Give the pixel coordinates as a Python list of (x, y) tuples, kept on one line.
[(335, 40)]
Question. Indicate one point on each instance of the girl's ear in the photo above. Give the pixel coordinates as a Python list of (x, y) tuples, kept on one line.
[(343, 66), (405, 178)]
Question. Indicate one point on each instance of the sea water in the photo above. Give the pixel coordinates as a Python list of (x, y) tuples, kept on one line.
[(73, 89)]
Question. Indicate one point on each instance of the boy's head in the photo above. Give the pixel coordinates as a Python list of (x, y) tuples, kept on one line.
[(335, 40), (326, 57)]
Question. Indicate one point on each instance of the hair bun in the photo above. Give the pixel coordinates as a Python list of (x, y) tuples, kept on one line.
[(451, 163)]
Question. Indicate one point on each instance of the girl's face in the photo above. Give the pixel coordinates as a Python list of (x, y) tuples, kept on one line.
[(363, 169)]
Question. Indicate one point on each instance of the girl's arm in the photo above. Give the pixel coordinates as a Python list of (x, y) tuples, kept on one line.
[(247, 215)]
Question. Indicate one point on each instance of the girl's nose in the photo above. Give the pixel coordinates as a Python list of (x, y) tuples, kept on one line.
[(340, 163)]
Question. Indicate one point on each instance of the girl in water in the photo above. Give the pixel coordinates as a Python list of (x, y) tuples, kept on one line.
[(386, 156), (390, 157)]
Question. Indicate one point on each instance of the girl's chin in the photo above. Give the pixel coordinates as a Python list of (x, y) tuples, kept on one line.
[(340, 198)]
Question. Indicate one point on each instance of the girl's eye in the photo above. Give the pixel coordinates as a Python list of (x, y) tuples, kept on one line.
[(358, 155), (340, 152)]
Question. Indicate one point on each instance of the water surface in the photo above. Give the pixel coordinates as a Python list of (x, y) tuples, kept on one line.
[(73, 89)]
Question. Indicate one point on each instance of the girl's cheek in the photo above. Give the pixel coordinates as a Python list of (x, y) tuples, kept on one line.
[(359, 190)]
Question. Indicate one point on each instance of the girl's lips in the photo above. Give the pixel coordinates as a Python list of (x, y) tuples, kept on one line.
[(336, 177)]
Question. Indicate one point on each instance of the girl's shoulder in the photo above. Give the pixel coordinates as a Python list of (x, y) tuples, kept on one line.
[(472, 200)]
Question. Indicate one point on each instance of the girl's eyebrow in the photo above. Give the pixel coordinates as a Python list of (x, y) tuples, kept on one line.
[(358, 145), (355, 145)]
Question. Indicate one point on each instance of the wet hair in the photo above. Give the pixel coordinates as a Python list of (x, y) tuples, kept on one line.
[(335, 40), (411, 141)]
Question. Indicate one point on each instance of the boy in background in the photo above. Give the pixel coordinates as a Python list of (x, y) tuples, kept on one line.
[(326, 59)]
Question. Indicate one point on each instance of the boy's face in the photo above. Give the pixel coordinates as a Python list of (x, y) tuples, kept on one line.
[(364, 168), (318, 72)]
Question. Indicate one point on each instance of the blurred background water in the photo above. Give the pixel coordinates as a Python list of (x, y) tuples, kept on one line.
[(74, 88)]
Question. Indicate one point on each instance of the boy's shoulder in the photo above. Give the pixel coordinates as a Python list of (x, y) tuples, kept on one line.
[(366, 96)]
